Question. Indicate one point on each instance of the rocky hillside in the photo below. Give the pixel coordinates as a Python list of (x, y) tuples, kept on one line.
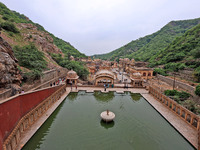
[(27, 49), (146, 47), (9, 71), (19, 30)]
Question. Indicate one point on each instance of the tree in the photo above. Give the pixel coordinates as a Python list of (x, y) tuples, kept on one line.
[(197, 90)]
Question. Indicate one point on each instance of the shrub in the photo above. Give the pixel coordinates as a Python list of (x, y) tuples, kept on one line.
[(9, 26), (30, 57), (173, 67), (181, 66), (159, 71), (171, 92), (183, 95), (78, 67), (196, 53), (197, 90), (6, 17), (176, 95), (197, 74)]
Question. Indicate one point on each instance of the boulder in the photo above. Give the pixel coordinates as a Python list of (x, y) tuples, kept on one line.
[(9, 73)]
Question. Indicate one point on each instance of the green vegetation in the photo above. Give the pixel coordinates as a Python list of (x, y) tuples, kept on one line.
[(145, 49), (29, 57), (176, 95), (10, 17), (159, 71), (176, 47), (66, 47), (9, 26), (197, 90), (197, 74), (183, 99), (78, 67)]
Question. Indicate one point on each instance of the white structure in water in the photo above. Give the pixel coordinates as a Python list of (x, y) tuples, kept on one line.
[(107, 116)]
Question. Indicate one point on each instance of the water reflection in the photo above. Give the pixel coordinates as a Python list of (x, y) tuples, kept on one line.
[(72, 96), (104, 97), (135, 96), (107, 125), (44, 130)]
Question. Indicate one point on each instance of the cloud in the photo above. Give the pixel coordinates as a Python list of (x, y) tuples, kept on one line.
[(100, 26)]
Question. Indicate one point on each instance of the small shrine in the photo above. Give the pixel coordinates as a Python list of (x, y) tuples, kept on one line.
[(72, 78)]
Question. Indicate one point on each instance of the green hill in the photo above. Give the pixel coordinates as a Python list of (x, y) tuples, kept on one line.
[(35, 48), (145, 48), (12, 17), (182, 53)]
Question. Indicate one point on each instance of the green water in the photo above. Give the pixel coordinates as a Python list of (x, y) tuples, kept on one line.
[(76, 125)]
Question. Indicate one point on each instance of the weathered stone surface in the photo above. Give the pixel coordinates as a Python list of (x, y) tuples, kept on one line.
[(9, 73), (42, 40), (5, 47)]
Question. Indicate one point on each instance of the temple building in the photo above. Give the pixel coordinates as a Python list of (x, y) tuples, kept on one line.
[(146, 73), (104, 77), (136, 80), (72, 78)]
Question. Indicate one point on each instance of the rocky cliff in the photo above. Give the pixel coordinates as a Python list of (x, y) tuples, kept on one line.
[(9, 73)]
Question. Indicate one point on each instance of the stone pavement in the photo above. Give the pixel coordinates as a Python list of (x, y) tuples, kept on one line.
[(188, 132)]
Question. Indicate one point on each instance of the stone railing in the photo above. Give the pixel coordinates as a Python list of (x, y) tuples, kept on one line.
[(189, 117), (26, 121)]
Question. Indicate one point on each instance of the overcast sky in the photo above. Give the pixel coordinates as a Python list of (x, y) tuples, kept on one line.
[(100, 26)]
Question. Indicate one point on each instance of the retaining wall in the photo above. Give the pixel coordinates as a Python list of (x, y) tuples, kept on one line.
[(48, 77), (190, 89)]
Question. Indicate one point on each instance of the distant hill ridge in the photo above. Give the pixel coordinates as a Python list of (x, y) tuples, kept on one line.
[(145, 48)]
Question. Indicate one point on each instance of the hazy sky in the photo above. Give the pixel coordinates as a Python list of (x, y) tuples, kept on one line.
[(100, 26)]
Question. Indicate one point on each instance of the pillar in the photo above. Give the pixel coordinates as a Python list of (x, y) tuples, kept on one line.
[(191, 120), (186, 114)]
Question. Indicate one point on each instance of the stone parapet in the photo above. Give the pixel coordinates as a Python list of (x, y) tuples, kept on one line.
[(192, 119), (189, 117)]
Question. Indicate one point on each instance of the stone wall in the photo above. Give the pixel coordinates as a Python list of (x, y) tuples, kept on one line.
[(190, 89), (48, 77), (186, 74)]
